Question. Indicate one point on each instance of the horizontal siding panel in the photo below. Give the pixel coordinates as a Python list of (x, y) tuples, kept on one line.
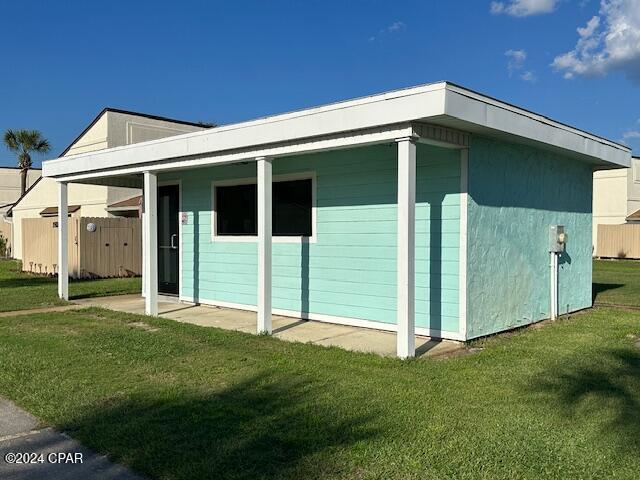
[(351, 269)]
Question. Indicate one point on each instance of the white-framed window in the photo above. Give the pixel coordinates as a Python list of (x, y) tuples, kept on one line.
[(234, 216)]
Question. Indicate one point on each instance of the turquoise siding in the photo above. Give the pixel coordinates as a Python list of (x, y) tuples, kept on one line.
[(351, 270), (515, 194)]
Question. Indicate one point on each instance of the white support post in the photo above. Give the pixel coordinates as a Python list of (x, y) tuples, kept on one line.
[(150, 250), (63, 241), (406, 247), (554, 286), (462, 264), (264, 244)]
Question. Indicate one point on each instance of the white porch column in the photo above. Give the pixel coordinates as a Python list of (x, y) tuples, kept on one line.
[(63, 241), (264, 244), (406, 247), (150, 238)]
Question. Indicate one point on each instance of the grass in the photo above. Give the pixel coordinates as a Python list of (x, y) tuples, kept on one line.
[(21, 291), (616, 282), (178, 401)]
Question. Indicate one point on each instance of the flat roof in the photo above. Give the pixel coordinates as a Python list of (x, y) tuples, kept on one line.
[(442, 103)]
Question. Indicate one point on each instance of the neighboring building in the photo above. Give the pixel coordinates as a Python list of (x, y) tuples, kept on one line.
[(425, 210), (111, 128), (10, 181), (616, 196)]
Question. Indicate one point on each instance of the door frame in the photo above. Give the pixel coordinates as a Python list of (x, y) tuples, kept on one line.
[(179, 184)]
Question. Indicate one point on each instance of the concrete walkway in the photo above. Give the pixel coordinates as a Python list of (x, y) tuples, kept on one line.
[(53, 455), (285, 328)]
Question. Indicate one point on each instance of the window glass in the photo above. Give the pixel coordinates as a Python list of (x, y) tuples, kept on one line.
[(236, 209), (292, 208)]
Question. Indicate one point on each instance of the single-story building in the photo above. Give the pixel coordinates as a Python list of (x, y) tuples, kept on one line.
[(426, 210), (112, 127)]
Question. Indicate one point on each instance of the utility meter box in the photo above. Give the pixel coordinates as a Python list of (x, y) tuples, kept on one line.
[(557, 239)]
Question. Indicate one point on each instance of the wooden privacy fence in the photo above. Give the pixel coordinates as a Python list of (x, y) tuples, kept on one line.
[(113, 249), (618, 241)]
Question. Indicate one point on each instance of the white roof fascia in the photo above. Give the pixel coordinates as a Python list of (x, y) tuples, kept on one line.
[(474, 108), (330, 142), (301, 131), (369, 112)]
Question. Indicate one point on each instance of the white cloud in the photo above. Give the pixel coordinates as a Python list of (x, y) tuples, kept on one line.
[(395, 27), (631, 134), (609, 41), (524, 8), (516, 60), (515, 64)]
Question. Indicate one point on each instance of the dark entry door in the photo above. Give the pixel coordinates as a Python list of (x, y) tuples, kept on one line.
[(168, 238)]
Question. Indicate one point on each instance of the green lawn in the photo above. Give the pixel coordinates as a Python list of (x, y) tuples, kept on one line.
[(20, 291), (616, 282), (178, 401)]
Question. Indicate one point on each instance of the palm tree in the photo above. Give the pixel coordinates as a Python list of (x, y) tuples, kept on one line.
[(25, 142)]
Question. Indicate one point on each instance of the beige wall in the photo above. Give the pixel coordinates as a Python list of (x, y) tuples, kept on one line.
[(633, 186), (10, 185), (616, 194), (125, 129), (113, 129), (10, 180), (96, 138)]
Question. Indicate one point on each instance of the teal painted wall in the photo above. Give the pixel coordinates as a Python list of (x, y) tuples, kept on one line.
[(515, 194), (351, 270)]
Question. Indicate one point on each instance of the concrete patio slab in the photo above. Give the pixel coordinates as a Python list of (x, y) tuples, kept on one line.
[(285, 328)]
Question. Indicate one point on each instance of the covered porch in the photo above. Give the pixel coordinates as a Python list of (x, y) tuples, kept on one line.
[(385, 202)]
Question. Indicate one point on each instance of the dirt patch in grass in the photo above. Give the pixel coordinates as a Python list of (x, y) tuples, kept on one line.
[(143, 326)]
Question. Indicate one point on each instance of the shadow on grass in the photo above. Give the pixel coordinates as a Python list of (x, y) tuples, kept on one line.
[(598, 288), (104, 293), (27, 281), (606, 389), (261, 428)]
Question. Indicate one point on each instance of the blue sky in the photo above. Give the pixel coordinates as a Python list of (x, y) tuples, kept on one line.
[(226, 61)]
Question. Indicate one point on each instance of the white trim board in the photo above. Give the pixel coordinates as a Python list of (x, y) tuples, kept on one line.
[(440, 103), (319, 317), (384, 134)]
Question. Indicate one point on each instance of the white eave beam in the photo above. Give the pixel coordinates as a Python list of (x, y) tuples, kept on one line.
[(350, 123), (372, 136)]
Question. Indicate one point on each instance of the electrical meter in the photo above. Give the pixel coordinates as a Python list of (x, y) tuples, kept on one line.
[(557, 239)]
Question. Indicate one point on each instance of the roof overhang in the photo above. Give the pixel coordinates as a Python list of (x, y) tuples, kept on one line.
[(439, 113), (53, 211)]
